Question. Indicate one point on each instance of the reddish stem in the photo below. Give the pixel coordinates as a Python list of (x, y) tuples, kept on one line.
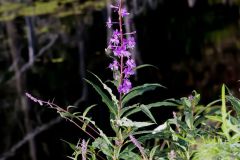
[(121, 59)]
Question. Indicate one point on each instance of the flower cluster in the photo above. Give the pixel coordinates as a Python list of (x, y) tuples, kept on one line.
[(123, 65), (84, 149), (137, 144), (34, 99)]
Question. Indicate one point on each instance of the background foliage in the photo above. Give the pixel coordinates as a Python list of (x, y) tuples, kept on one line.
[(47, 46)]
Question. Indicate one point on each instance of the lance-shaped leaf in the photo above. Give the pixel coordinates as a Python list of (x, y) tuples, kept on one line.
[(136, 109), (101, 144), (114, 99), (128, 155), (145, 65), (139, 90), (235, 103), (147, 112), (105, 98), (88, 109), (125, 122)]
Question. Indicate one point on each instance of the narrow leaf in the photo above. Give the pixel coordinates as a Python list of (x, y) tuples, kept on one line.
[(145, 65), (125, 122), (149, 106), (105, 98), (114, 99), (235, 103), (139, 90), (152, 153), (127, 154), (215, 118), (88, 109), (101, 144), (147, 112), (126, 109), (72, 146)]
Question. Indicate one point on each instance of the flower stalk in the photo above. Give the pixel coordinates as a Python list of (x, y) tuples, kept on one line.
[(123, 64)]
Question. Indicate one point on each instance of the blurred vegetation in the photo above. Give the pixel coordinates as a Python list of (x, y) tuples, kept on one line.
[(51, 44), (58, 8)]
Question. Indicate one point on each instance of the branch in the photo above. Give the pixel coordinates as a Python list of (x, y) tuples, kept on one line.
[(32, 59), (53, 38), (29, 136)]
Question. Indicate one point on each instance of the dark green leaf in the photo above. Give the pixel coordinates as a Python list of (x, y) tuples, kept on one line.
[(72, 146), (105, 98), (139, 90), (147, 112), (88, 109), (235, 103), (149, 106), (145, 65), (128, 155), (101, 144)]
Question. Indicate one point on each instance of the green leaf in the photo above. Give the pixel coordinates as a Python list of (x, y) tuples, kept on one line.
[(69, 107), (128, 155), (224, 114), (207, 107), (152, 153), (189, 119), (72, 146), (125, 122), (149, 106), (105, 98), (101, 144), (64, 114), (145, 65), (125, 109), (88, 109), (139, 90), (103, 135), (186, 102), (160, 128), (147, 112), (235, 103), (215, 118), (114, 99)]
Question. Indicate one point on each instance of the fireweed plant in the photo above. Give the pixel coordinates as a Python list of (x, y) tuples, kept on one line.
[(195, 132)]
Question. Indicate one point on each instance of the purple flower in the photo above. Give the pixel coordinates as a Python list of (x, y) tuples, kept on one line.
[(34, 99), (128, 72), (131, 63), (84, 149), (137, 144), (125, 86), (131, 42), (117, 52), (125, 53), (115, 38), (124, 12), (172, 155), (114, 66), (190, 98), (121, 51), (120, 45)]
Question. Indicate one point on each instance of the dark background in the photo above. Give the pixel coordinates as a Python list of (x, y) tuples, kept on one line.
[(194, 48)]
